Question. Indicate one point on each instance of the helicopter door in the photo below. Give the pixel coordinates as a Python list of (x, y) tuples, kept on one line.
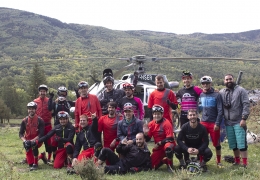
[(139, 92), (148, 91)]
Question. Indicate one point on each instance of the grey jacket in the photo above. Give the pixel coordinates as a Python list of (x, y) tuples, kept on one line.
[(239, 105)]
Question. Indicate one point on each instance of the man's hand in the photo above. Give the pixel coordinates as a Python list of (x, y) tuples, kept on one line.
[(243, 123), (145, 128), (190, 150), (216, 127), (51, 94), (113, 143), (27, 145), (130, 142), (94, 115), (195, 151), (124, 141), (74, 161), (34, 143)]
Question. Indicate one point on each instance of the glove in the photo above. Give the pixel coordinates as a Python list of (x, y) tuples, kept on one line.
[(57, 138), (27, 145), (229, 159), (51, 94), (34, 143), (172, 105)]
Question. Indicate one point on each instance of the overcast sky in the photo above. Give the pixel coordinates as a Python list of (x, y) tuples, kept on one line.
[(176, 16)]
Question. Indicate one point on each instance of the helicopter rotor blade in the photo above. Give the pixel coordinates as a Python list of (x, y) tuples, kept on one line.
[(202, 58), (116, 74)]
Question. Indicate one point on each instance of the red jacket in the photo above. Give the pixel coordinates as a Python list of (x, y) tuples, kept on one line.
[(42, 110), (88, 106)]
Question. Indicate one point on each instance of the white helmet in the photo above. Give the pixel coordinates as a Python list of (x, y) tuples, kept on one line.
[(206, 79)]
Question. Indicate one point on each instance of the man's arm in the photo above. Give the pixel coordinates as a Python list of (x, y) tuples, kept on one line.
[(76, 113), (246, 104), (47, 136), (220, 110), (123, 148), (140, 108), (180, 138), (205, 140), (77, 147), (22, 131)]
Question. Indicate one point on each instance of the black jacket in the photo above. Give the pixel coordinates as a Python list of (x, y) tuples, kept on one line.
[(87, 138), (134, 156), (66, 134)]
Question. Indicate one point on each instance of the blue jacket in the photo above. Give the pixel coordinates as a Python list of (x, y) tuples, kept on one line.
[(212, 107), (129, 130)]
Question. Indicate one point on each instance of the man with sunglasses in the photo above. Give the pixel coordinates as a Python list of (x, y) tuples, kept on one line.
[(193, 140), (212, 113), (161, 130), (64, 134), (236, 111), (136, 102), (86, 104), (188, 95)]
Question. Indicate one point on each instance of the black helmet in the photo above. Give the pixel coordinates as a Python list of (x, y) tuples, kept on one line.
[(63, 114), (62, 89), (108, 78), (186, 73), (83, 84), (32, 104), (157, 108), (206, 79), (43, 86)]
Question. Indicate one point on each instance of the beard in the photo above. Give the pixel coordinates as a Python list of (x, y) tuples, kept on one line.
[(230, 85), (140, 144), (111, 113)]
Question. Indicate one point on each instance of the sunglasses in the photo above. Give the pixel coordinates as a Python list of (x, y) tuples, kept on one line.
[(82, 84), (157, 109)]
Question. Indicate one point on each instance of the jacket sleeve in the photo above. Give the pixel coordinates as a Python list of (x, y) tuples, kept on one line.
[(180, 139), (22, 129), (245, 103), (70, 136), (76, 113), (205, 140), (120, 134), (123, 149), (94, 129), (41, 128), (51, 104), (98, 107), (140, 108), (77, 147), (47, 136), (219, 109)]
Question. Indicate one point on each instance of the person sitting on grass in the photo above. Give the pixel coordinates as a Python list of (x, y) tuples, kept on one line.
[(136, 159), (193, 140)]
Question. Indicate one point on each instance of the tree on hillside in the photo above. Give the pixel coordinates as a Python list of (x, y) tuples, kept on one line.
[(37, 78), (5, 112)]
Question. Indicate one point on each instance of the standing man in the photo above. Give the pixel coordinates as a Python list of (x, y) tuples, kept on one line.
[(32, 128), (63, 134), (46, 115), (86, 104), (236, 111), (188, 95), (129, 126), (163, 97), (110, 94), (193, 140), (108, 125), (161, 130), (136, 102), (212, 113)]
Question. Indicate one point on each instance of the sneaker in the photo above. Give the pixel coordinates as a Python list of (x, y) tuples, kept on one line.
[(24, 161), (34, 167), (220, 165), (44, 159), (49, 162)]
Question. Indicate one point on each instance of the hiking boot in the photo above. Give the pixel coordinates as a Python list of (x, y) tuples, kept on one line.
[(220, 165), (24, 161), (34, 167), (49, 162), (43, 158)]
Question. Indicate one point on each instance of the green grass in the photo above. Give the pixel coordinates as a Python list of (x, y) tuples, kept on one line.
[(11, 153)]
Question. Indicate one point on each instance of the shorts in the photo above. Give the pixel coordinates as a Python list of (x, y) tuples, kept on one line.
[(236, 136), (214, 135)]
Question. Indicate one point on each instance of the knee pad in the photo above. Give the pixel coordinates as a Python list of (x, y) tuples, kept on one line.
[(244, 149), (235, 149), (69, 149), (169, 153), (218, 148)]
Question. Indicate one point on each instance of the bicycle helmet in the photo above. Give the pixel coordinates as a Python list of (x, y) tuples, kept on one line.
[(193, 168), (128, 86), (83, 84), (128, 107), (43, 86), (62, 89), (108, 78), (32, 104), (206, 79), (63, 114), (157, 108), (186, 73)]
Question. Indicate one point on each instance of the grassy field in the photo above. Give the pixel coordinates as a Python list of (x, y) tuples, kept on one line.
[(11, 153)]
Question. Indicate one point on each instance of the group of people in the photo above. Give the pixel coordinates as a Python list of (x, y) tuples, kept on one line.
[(118, 117)]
